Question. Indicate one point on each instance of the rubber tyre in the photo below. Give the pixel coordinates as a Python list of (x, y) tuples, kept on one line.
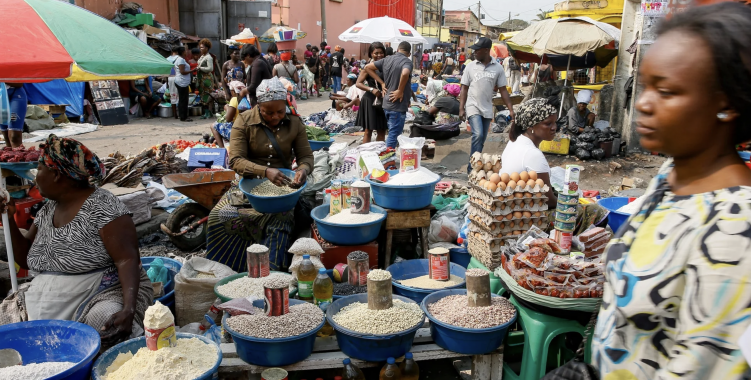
[(183, 216)]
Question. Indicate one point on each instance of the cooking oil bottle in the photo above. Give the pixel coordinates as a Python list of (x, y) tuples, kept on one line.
[(409, 368), (323, 295), (390, 371), (306, 274), (351, 372)]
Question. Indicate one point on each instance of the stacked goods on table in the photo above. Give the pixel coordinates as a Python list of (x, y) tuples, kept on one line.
[(502, 207), (567, 208), (594, 241), (543, 270), (19, 154)]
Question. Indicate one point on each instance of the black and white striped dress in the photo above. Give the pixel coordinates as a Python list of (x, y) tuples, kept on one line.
[(75, 247)]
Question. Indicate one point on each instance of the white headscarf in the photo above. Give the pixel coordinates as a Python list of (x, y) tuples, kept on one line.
[(584, 96)]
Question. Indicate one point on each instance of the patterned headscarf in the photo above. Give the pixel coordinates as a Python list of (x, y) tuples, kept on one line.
[(532, 112), (270, 90), (71, 158)]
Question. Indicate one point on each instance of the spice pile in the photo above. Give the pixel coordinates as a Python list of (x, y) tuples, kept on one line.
[(425, 282), (188, 360), (300, 319), (248, 286), (347, 217), (454, 311), (268, 189), (401, 316), (345, 289), (35, 371)]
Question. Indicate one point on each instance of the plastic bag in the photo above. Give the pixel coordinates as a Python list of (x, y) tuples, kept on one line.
[(410, 152), (583, 154), (157, 271), (442, 203), (586, 145), (598, 154), (4, 105), (444, 229), (239, 306), (589, 137)]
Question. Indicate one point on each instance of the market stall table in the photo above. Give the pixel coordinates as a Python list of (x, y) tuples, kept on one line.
[(398, 220), (326, 355)]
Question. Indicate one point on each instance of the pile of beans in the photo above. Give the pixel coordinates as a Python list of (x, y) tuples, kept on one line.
[(475, 272), (247, 286), (268, 189), (425, 282), (401, 316), (300, 319), (454, 311), (358, 255), (276, 282), (379, 275), (345, 289)]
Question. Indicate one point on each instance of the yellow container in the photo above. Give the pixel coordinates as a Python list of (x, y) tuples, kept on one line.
[(560, 145)]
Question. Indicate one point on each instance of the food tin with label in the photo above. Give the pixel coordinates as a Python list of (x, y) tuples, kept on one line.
[(439, 264)]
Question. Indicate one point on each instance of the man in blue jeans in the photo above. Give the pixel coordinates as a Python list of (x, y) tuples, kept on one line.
[(480, 81), (397, 73)]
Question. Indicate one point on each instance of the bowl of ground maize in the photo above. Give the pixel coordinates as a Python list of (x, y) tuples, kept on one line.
[(274, 203)]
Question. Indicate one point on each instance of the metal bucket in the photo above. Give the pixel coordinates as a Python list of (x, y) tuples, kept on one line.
[(165, 111)]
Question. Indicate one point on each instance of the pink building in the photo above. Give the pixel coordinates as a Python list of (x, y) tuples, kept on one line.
[(305, 15)]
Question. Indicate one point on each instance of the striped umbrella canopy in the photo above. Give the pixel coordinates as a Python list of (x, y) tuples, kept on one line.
[(51, 39)]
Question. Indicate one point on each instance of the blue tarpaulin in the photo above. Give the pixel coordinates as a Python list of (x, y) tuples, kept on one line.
[(58, 91)]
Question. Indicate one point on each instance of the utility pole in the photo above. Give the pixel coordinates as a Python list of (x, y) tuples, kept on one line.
[(509, 21), (440, 20), (323, 19)]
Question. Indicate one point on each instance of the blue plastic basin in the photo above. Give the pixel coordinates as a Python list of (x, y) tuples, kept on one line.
[(405, 270), (615, 218), (135, 344), (318, 145), (403, 198), (271, 205), (273, 352), (460, 256), (745, 156), (347, 234), (372, 348), (64, 341), (462, 340)]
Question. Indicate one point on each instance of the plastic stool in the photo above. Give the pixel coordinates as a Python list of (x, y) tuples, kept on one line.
[(495, 282), (540, 330)]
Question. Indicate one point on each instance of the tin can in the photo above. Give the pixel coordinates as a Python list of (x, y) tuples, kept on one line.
[(274, 374), (360, 203), (346, 194), (358, 272), (439, 264), (276, 301), (258, 262), (160, 338)]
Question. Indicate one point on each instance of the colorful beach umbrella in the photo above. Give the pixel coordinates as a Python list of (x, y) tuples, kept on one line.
[(51, 39), (382, 29)]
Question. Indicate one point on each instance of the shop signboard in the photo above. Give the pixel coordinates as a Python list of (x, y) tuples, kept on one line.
[(109, 104)]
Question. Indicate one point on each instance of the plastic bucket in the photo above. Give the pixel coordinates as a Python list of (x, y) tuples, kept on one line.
[(463, 340), (405, 270), (69, 341), (271, 205), (405, 198), (349, 234), (235, 277), (460, 256), (133, 345), (615, 218), (372, 348), (318, 145), (273, 352)]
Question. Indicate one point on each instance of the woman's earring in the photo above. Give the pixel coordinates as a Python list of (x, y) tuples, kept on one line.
[(722, 115)]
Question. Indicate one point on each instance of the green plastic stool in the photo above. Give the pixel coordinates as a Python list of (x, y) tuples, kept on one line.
[(540, 331), (495, 282)]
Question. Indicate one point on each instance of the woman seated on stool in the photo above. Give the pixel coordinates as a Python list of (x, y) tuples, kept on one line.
[(579, 116), (535, 122), (232, 225), (83, 244)]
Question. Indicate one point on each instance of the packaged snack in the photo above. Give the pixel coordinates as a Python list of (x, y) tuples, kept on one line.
[(562, 292), (532, 234), (571, 180), (543, 291), (346, 194), (592, 234), (535, 281), (558, 278), (582, 291), (336, 197), (410, 152), (534, 258), (596, 292), (590, 280)]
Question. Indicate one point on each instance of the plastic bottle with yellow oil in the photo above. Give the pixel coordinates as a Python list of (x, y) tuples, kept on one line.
[(390, 371), (306, 274), (409, 368), (323, 295), (351, 372)]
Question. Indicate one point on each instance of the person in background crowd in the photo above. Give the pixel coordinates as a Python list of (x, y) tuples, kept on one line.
[(515, 74), (141, 93), (397, 71), (389, 51), (173, 95), (328, 51), (545, 73), (470, 59), (449, 69), (480, 81), (323, 46), (369, 117), (579, 116), (233, 70), (84, 246), (445, 108), (259, 70), (13, 133), (425, 61), (222, 131), (314, 64), (337, 63), (676, 294), (308, 51), (272, 54), (205, 80), (462, 59), (285, 68), (182, 82), (232, 229), (350, 101), (345, 64), (325, 70)]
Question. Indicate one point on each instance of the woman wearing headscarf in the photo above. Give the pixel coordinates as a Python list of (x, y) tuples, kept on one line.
[(83, 244), (285, 68), (535, 122), (579, 116), (434, 91), (446, 108), (233, 71), (205, 78), (256, 135), (369, 117)]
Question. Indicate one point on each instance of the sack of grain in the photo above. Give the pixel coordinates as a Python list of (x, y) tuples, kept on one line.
[(297, 260), (305, 246), (194, 288)]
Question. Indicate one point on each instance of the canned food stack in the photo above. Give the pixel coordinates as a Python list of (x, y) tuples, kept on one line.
[(566, 209), (502, 207)]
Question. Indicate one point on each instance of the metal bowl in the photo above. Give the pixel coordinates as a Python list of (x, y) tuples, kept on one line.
[(165, 111), (196, 111)]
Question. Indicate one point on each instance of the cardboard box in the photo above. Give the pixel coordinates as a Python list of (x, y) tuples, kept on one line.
[(198, 158), (366, 162)]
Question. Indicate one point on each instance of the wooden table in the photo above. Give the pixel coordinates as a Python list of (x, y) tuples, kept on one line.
[(326, 355), (398, 220), (53, 108)]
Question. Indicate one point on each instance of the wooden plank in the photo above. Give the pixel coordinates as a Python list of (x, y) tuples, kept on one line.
[(407, 219), (488, 367)]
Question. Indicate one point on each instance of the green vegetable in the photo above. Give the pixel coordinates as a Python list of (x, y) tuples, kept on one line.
[(317, 134)]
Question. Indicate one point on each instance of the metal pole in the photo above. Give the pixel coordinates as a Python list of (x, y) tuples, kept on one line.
[(560, 112), (9, 244), (440, 20), (323, 19)]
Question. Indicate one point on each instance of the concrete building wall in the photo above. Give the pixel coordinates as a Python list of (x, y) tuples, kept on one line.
[(165, 11)]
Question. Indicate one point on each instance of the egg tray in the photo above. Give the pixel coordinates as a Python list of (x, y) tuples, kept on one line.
[(498, 230), (504, 193), (481, 252), (493, 225), (504, 209), (484, 197), (484, 162)]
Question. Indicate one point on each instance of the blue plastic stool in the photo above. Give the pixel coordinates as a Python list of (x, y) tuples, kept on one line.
[(540, 331)]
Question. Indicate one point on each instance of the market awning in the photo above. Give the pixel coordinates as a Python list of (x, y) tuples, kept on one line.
[(51, 39)]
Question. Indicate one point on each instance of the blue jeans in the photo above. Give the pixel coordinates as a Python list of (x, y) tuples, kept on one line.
[(395, 121), (17, 100), (337, 83), (480, 126)]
